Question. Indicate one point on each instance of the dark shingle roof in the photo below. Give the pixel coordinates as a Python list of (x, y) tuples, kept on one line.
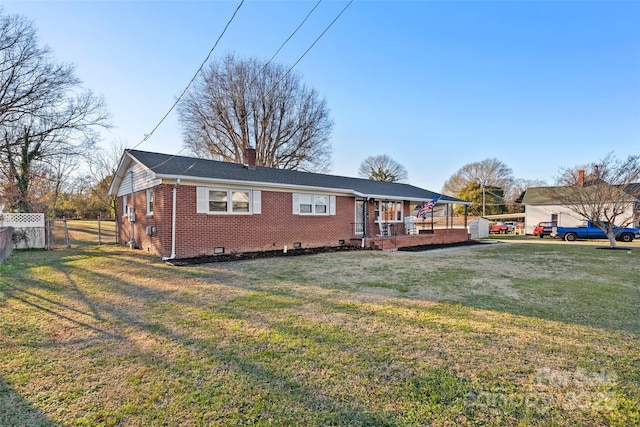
[(165, 165)]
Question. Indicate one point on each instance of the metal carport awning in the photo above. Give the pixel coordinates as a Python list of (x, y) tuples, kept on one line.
[(505, 216)]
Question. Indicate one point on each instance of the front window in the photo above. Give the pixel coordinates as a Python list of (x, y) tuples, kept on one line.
[(313, 204), (240, 201), (388, 211), (229, 201), (306, 203), (218, 201), (320, 204)]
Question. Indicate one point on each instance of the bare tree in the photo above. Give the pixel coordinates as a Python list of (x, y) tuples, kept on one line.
[(248, 103), (517, 190), (103, 163), (487, 174), (606, 193), (43, 114), (382, 168), (56, 178)]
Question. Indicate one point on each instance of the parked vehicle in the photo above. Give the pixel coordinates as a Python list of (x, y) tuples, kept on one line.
[(511, 226), (590, 231), (544, 229), (499, 228)]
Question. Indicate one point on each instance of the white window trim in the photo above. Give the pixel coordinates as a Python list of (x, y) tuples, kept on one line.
[(331, 204), (202, 201), (149, 193), (125, 207)]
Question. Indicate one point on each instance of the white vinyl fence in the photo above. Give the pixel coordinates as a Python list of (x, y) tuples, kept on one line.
[(28, 229)]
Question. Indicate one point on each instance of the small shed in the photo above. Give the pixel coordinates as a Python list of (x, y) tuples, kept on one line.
[(479, 228)]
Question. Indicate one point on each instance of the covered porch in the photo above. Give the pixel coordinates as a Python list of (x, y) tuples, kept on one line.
[(388, 224), (439, 226)]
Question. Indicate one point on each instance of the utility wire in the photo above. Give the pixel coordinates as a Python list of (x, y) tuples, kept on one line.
[(270, 60), (147, 136), (244, 119), (319, 37), (291, 35), (261, 70)]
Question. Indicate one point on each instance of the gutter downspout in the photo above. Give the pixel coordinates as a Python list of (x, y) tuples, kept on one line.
[(131, 214), (173, 223)]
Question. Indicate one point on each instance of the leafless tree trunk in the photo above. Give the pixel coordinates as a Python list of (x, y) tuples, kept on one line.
[(247, 103)]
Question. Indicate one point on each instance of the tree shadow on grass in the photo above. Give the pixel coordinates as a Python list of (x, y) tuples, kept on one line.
[(15, 411), (253, 360), (276, 386)]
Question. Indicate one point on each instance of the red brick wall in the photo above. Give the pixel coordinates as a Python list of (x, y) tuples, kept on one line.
[(439, 237), (198, 234), (160, 241)]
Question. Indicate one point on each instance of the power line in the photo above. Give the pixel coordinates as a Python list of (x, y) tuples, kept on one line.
[(147, 136), (292, 34), (244, 119), (319, 37), (261, 70)]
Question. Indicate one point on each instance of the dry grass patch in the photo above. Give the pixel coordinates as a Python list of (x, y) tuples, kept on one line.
[(109, 336)]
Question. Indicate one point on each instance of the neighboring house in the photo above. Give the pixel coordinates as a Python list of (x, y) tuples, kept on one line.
[(541, 206), (184, 207)]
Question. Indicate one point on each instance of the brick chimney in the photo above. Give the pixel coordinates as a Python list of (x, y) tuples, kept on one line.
[(250, 157), (581, 178)]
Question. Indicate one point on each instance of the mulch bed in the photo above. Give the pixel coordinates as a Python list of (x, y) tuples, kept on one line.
[(443, 246), (205, 259)]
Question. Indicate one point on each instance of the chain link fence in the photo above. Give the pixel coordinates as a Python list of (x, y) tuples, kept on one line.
[(64, 233)]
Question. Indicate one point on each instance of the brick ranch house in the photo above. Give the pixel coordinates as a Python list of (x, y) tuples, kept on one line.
[(184, 207)]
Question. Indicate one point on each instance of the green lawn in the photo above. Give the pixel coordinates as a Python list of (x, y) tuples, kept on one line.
[(506, 334)]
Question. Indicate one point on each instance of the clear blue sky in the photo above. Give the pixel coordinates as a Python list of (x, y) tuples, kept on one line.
[(434, 84)]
